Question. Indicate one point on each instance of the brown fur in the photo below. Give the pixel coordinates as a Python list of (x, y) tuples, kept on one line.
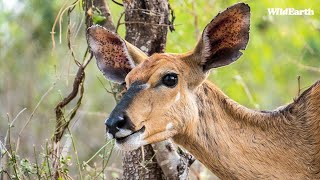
[(233, 141), (236, 142)]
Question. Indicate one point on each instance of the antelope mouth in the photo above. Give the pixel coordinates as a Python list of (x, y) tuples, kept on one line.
[(121, 140)]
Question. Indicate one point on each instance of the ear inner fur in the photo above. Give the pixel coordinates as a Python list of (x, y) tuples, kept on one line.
[(111, 52), (225, 36)]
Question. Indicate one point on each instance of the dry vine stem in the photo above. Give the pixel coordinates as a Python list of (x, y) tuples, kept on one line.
[(62, 123), (155, 46), (78, 85)]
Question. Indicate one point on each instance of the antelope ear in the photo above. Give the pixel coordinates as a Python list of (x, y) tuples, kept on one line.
[(224, 37), (115, 57)]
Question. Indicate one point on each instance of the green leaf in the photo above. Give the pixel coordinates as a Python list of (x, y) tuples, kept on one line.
[(97, 18)]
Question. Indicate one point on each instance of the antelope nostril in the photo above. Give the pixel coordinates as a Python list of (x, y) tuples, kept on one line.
[(117, 122), (122, 123)]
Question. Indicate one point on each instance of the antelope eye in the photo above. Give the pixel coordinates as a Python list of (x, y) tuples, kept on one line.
[(170, 80)]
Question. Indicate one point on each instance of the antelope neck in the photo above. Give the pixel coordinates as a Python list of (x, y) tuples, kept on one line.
[(236, 142)]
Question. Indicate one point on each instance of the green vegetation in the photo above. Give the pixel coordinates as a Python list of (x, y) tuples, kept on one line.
[(36, 74)]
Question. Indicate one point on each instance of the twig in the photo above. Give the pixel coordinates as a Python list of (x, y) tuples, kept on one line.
[(70, 9), (299, 85), (76, 153), (79, 27), (54, 26), (32, 114), (36, 160), (85, 63), (306, 67), (103, 85), (173, 17), (118, 23), (85, 55), (86, 162), (61, 15), (11, 124), (6, 172), (147, 11), (61, 123), (109, 155), (117, 3), (18, 115), (246, 89), (13, 157), (47, 159), (59, 114), (144, 23)]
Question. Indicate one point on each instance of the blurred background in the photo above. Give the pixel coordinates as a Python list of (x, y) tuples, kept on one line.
[(37, 72)]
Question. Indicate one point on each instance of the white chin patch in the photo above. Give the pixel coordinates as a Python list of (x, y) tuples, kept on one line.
[(123, 133), (109, 136), (132, 142)]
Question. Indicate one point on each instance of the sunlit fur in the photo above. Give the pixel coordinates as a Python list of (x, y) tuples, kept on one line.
[(231, 140)]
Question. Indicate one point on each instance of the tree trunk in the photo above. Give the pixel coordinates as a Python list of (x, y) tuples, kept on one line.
[(146, 29), (147, 24)]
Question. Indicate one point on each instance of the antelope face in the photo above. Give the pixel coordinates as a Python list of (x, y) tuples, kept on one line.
[(147, 111), (159, 102)]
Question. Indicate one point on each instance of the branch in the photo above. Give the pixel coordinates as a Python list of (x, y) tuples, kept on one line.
[(62, 124), (174, 165)]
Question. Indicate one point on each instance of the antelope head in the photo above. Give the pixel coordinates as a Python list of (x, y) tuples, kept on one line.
[(160, 99)]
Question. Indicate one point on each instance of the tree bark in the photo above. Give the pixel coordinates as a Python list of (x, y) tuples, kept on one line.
[(147, 23), (143, 20)]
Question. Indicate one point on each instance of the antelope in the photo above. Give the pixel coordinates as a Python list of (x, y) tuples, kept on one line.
[(168, 96)]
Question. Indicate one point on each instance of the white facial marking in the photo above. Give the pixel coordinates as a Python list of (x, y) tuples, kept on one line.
[(147, 85), (143, 86), (132, 142), (123, 133), (110, 136), (177, 97), (169, 126)]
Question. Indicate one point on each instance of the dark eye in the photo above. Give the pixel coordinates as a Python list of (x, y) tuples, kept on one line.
[(170, 80)]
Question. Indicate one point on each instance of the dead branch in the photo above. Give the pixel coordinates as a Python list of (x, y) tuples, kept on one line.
[(62, 124), (173, 17), (120, 4)]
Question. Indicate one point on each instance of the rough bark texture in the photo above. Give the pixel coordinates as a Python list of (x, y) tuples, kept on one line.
[(174, 162), (147, 24), (146, 27)]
